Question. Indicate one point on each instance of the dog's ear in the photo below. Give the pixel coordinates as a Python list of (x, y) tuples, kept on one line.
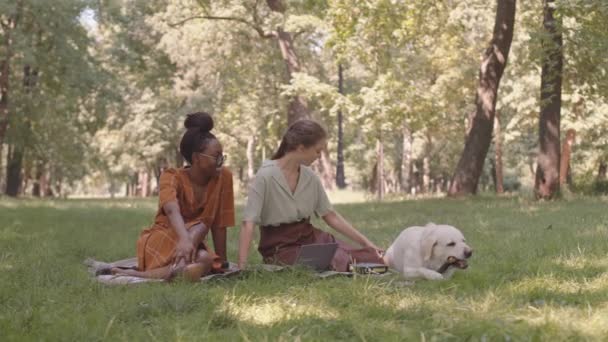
[(429, 241)]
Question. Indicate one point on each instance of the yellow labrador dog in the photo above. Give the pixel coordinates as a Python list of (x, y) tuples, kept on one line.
[(431, 252)]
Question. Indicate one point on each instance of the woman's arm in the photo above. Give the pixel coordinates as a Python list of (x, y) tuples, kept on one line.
[(219, 241), (337, 222), (245, 237), (185, 248)]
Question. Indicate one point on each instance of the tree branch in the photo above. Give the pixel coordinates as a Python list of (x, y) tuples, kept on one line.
[(295, 35), (258, 29)]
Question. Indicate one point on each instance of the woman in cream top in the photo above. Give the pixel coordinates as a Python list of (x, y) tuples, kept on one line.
[(285, 194)]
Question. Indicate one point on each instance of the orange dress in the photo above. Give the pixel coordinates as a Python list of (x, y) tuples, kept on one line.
[(156, 245)]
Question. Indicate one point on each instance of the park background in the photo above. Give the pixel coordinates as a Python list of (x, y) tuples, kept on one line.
[(490, 116)]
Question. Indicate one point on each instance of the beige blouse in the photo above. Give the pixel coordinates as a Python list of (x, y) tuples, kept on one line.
[(270, 201)]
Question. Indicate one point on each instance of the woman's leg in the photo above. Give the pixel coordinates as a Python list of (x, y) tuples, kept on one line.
[(157, 273), (219, 235), (202, 265), (193, 271), (346, 253)]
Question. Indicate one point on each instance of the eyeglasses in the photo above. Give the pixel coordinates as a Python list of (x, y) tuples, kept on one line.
[(219, 160)]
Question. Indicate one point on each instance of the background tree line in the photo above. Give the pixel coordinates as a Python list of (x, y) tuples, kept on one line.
[(418, 97)]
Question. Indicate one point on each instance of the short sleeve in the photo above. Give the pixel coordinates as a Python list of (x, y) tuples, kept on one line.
[(323, 206), (226, 211), (167, 187), (255, 200)]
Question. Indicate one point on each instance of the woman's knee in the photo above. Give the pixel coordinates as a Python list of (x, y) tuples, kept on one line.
[(197, 229), (204, 257), (201, 266)]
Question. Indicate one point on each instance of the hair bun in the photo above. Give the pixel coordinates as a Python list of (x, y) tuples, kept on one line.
[(199, 120)]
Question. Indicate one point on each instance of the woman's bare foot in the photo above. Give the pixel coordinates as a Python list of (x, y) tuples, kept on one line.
[(191, 272)]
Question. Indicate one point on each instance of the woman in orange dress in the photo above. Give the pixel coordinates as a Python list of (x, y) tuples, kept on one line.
[(192, 200)]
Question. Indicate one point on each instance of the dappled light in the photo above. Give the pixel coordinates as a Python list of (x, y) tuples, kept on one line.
[(268, 311), (581, 261), (523, 278), (560, 285)]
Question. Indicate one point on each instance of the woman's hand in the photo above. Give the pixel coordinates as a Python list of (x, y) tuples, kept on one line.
[(337, 222), (184, 250)]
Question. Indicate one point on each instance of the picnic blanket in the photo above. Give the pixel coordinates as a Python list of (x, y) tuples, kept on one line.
[(94, 266)]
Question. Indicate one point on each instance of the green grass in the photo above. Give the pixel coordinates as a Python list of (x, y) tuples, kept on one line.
[(539, 272)]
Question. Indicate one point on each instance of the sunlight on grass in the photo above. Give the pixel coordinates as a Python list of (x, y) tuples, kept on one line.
[(599, 231), (552, 283), (591, 323), (536, 275), (347, 196), (580, 262), (273, 310), (6, 262)]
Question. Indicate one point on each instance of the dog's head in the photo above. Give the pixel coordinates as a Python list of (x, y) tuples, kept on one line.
[(444, 246)]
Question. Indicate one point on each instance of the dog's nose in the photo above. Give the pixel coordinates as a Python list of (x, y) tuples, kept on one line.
[(468, 253)]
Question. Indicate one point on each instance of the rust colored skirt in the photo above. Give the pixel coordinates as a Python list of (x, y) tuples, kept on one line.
[(280, 245), (156, 245)]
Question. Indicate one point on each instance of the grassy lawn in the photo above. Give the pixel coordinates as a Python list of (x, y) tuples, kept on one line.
[(539, 272)]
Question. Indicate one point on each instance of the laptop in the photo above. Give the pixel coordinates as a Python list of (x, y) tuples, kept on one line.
[(317, 256)]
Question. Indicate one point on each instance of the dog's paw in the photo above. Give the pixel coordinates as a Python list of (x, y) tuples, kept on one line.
[(432, 275)]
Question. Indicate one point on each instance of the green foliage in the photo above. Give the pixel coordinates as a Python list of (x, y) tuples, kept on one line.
[(113, 89), (58, 88)]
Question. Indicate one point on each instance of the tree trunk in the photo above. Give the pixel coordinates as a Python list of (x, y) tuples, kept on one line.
[(469, 123), (135, 184), (37, 190), (8, 27), (340, 177), (159, 167), (327, 170), (144, 183), (564, 168), (179, 159), (45, 188), (406, 159), (601, 172), (55, 188), (425, 175), (546, 184), (380, 170), (468, 171), (499, 187), (2, 168), (493, 174), (298, 107), (250, 159), (5, 69), (26, 173), (13, 171)]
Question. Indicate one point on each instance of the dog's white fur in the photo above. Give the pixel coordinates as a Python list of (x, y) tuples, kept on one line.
[(419, 252)]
